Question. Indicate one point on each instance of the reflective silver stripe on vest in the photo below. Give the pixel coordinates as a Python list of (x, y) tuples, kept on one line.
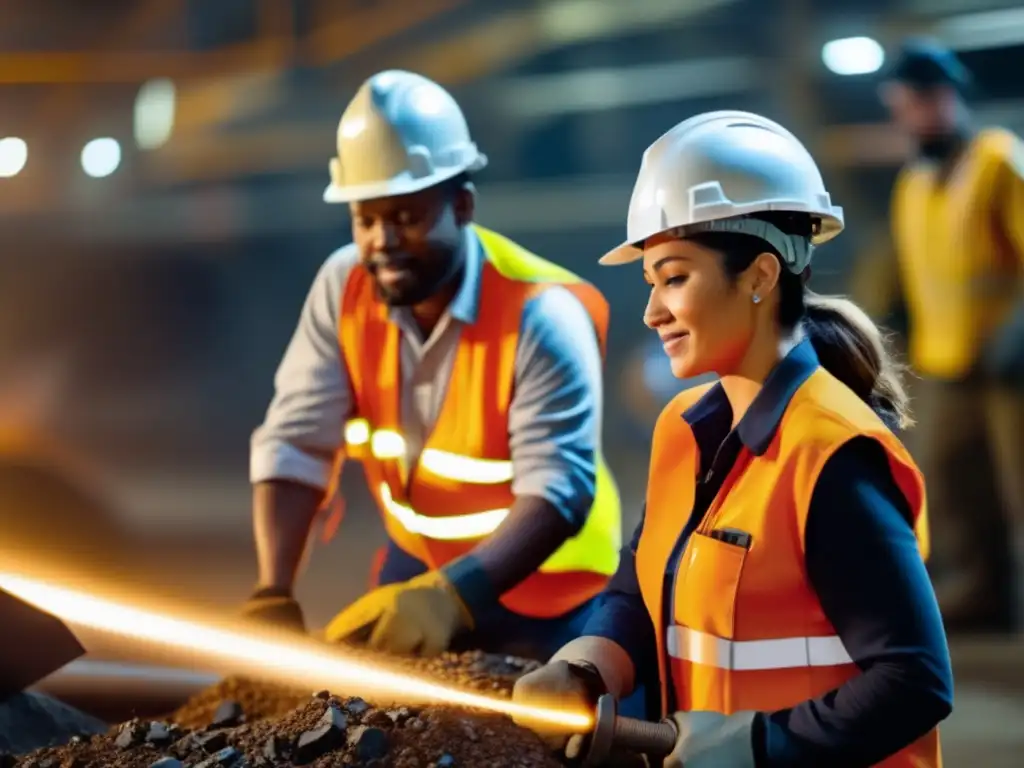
[(747, 655)]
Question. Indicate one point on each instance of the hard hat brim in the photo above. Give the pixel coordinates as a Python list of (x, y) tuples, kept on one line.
[(400, 185), (390, 188), (626, 253)]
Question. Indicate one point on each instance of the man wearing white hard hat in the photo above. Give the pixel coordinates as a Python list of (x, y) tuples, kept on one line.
[(464, 372), (776, 582)]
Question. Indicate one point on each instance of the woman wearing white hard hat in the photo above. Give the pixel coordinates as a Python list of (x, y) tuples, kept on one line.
[(777, 588)]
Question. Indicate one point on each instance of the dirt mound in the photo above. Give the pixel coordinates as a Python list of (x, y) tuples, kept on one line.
[(242, 723)]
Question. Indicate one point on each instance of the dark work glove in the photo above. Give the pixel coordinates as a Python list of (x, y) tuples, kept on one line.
[(276, 608)]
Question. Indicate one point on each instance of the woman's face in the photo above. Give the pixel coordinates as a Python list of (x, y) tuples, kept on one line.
[(705, 319)]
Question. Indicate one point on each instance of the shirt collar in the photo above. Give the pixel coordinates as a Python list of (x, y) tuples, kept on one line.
[(465, 305), (759, 424)]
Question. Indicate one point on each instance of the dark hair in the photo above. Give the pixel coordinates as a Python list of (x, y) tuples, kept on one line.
[(456, 183), (848, 344)]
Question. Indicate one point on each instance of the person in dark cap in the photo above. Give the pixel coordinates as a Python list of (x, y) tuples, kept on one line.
[(958, 227), (925, 92)]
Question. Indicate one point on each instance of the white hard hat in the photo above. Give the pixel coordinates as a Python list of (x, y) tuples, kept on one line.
[(400, 134), (708, 172)]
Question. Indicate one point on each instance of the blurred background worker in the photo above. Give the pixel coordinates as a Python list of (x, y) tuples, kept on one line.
[(777, 574), (465, 373), (958, 228)]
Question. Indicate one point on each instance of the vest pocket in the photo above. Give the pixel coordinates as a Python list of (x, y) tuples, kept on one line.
[(711, 578), (705, 623)]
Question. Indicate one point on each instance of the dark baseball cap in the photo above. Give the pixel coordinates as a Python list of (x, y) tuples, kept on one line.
[(922, 64)]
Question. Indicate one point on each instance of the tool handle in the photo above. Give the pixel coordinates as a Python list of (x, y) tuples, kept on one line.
[(654, 739)]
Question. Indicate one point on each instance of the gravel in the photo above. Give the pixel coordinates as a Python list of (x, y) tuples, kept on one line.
[(243, 723)]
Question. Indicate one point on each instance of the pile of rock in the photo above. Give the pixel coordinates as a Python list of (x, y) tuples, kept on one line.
[(243, 723)]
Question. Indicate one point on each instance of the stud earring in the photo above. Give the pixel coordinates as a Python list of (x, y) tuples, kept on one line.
[(756, 299)]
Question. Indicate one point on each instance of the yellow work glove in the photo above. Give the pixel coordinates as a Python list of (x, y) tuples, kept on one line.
[(419, 616)]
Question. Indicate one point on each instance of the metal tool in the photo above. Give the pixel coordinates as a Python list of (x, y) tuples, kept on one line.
[(33, 644), (613, 733)]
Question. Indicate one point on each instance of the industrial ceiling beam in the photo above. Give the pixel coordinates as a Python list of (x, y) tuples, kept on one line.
[(515, 35), (69, 68), (276, 46), (466, 54), (342, 29)]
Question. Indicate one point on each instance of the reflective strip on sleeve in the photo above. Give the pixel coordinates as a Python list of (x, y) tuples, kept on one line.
[(748, 655)]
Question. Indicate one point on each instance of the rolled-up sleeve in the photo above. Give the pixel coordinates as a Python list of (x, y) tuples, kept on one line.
[(304, 426), (555, 414)]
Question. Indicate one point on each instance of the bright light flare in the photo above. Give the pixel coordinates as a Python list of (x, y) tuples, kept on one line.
[(270, 656), (154, 113), (853, 56), (13, 156), (101, 157)]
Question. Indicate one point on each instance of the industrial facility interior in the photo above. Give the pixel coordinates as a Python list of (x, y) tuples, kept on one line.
[(162, 166)]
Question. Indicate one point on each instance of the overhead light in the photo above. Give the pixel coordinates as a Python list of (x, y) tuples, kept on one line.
[(853, 56), (101, 157), (154, 113), (13, 156)]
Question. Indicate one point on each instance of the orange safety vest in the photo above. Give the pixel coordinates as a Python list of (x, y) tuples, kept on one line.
[(460, 488), (748, 631)]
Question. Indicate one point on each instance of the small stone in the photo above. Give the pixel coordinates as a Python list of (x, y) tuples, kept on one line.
[(213, 741), (228, 714), (470, 732), (167, 762), (328, 734), (274, 748), (158, 733), (356, 706), (322, 695), (416, 725), (378, 719), (130, 734), (229, 757), (446, 761), (370, 743), (399, 715)]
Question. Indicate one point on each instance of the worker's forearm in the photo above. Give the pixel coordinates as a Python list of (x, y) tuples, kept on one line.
[(283, 514), (610, 659), (530, 534)]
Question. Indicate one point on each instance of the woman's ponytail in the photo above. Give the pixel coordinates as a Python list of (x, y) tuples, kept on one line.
[(852, 348)]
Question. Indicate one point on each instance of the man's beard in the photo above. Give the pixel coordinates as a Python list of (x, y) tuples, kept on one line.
[(424, 275), (939, 147)]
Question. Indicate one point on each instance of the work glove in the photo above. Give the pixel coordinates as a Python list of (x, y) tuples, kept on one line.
[(712, 740), (419, 616), (573, 686), (275, 607)]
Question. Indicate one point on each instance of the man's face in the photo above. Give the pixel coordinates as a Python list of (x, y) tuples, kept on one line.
[(412, 244), (922, 114)]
